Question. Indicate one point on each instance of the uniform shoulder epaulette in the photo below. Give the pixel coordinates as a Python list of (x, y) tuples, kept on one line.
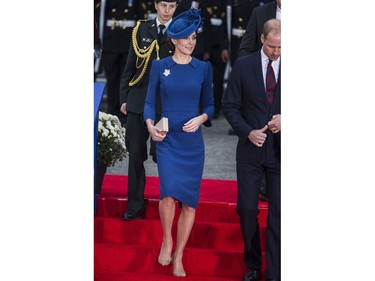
[(144, 20)]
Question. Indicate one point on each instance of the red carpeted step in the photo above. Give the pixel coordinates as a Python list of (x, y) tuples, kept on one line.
[(212, 190), (210, 235), (128, 250), (202, 262), (129, 276), (206, 211)]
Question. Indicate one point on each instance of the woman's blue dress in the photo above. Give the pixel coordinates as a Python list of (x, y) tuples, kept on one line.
[(186, 92)]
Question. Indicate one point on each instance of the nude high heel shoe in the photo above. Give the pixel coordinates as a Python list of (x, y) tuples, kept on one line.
[(162, 260), (178, 272)]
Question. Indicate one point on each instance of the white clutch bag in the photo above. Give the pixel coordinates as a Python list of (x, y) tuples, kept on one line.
[(162, 124)]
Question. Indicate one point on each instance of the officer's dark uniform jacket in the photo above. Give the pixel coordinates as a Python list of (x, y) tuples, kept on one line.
[(120, 16), (116, 20), (148, 6), (135, 95), (241, 12), (214, 14)]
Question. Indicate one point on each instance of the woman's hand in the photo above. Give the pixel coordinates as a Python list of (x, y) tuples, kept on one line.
[(155, 133), (193, 124)]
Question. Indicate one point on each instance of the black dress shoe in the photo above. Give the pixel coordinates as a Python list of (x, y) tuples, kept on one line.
[(133, 215), (252, 275), (263, 197)]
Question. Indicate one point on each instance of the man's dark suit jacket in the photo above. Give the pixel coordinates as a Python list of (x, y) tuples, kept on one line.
[(135, 96), (246, 108), (250, 42)]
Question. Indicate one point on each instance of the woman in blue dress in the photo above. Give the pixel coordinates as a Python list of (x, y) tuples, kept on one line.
[(184, 84)]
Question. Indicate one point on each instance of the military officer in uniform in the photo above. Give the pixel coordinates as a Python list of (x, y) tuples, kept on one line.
[(97, 42), (149, 42), (116, 19), (241, 12), (216, 51)]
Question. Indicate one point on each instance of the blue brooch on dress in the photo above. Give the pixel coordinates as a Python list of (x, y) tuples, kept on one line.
[(166, 72)]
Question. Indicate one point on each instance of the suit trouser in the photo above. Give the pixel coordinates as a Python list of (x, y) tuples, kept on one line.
[(136, 137), (250, 175), (218, 67), (114, 64)]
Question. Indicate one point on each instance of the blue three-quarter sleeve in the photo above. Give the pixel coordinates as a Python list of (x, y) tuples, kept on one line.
[(153, 88), (207, 97)]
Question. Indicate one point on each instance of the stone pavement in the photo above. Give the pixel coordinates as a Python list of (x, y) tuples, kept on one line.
[(220, 154)]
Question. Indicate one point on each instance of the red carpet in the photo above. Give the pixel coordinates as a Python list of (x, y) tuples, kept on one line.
[(211, 190), (128, 250)]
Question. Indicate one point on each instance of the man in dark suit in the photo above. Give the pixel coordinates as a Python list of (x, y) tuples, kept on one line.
[(147, 44), (116, 19), (250, 42), (252, 106)]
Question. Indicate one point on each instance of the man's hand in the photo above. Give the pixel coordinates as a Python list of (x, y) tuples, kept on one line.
[(123, 108), (224, 55), (206, 56), (275, 124), (258, 137)]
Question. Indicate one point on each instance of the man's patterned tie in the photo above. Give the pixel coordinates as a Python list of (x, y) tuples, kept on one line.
[(270, 82)]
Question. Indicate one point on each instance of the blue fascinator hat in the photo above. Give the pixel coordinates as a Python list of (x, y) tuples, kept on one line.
[(185, 24)]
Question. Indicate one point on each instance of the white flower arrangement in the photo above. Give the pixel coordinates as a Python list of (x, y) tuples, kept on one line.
[(111, 140)]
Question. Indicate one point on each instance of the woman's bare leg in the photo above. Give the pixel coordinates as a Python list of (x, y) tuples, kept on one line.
[(185, 224), (167, 208)]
